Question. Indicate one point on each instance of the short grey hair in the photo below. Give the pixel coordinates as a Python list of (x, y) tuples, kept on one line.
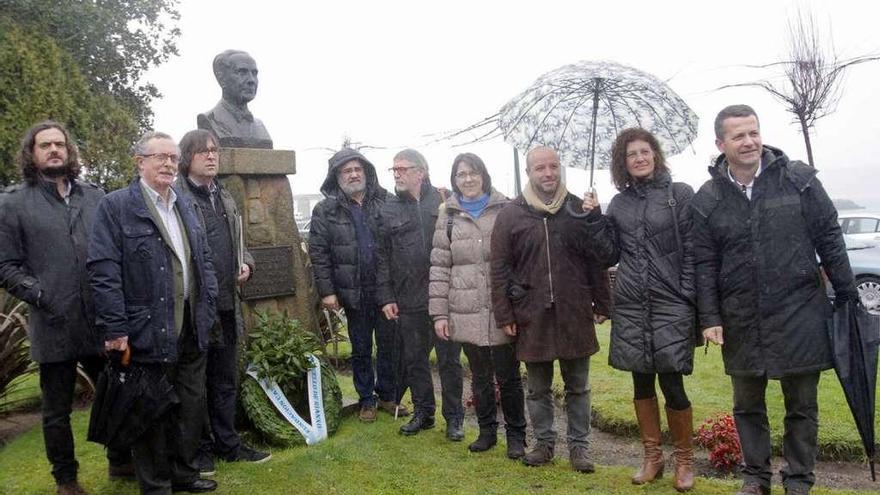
[(413, 157), (732, 111), (140, 147)]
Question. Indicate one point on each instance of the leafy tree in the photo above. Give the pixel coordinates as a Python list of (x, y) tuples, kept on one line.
[(114, 42), (41, 81)]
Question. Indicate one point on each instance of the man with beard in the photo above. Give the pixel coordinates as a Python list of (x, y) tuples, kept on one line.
[(547, 291), (230, 120), (44, 226), (233, 264), (342, 246), (406, 238)]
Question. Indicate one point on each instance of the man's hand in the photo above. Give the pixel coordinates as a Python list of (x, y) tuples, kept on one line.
[(510, 330), (591, 200), (441, 328), (390, 311), (244, 273), (714, 335), (118, 344), (599, 319), (330, 302)]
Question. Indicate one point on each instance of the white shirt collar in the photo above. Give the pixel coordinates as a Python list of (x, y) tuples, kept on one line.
[(172, 196)]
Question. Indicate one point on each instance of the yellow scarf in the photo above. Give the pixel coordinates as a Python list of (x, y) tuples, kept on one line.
[(535, 202)]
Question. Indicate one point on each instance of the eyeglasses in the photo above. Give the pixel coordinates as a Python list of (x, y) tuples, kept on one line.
[(467, 175), (208, 151), (399, 170), (163, 156)]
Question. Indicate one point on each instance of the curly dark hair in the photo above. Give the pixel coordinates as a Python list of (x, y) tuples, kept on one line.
[(477, 164), (619, 174), (25, 158)]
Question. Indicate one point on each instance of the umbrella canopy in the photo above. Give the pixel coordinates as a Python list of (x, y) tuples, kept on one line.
[(855, 338), (579, 109), (128, 400)]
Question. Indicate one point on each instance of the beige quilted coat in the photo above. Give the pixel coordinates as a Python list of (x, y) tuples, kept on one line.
[(460, 279)]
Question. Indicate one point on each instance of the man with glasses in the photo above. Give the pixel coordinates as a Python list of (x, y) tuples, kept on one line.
[(405, 238), (44, 225), (155, 294), (233, 264), (342, 246)]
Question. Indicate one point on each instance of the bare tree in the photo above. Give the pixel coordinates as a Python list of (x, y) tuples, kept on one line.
[(813, 76)]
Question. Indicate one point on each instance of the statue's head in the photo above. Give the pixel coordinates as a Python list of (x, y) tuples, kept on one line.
[(236, 72)]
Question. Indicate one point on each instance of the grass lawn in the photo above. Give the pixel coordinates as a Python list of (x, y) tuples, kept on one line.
[(710, 392), (359, 459)]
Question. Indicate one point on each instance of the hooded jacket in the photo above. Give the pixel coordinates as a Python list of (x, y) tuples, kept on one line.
[(406, 235), (653, 319), (333, 245), (546, 284), (756, 268), (461, 288)]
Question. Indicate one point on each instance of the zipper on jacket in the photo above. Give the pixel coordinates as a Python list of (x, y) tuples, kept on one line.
[(549, 268)]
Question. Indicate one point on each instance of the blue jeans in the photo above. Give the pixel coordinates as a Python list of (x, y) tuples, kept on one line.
[(368, 384)]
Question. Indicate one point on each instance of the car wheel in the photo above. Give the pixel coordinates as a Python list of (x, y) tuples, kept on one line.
[(869, 293)]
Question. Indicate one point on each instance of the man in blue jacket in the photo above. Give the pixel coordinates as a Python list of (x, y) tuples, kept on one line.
[(155, 292)]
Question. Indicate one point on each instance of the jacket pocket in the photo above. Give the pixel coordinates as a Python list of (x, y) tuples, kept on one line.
[(141, 262), (140, 335)]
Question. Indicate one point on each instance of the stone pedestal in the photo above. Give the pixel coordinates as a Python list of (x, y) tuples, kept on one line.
[(257, 179)]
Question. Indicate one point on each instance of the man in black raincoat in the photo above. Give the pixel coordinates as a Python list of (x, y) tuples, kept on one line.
[(758, 225), (343, 247)]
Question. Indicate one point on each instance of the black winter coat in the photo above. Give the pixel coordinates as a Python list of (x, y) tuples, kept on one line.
[(757, 274), (43, 249), (333, 245), (653, 318), (406, 235)]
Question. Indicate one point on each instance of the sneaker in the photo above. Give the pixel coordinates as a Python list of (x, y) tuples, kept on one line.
[(205, 465), (753, 488), (580, 461), (367, 414), (248, 454), (538, 456), (393, 408), (455, 430), (417, 424)]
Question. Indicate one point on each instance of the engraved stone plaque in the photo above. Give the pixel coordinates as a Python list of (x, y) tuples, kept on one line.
[(273, 275)]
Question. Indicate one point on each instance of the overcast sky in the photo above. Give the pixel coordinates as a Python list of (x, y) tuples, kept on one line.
[(388, 73)]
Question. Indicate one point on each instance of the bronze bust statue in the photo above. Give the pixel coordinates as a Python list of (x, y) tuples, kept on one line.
[(230, 120)]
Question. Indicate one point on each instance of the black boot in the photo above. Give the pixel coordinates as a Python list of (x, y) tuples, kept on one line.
[(516, 444), (455, 430), (418, 423), (487, 439)]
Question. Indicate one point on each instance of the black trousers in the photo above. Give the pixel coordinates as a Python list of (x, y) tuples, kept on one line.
[(799, 443), (167, 452), (498, 362), (672, 385), (417, 333), (220, 436), (57, 384)]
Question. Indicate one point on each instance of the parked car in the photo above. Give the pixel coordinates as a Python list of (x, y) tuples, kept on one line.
[(864, 257), (860, 225)]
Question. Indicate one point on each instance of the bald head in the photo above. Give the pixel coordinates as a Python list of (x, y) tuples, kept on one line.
[(541, 153)]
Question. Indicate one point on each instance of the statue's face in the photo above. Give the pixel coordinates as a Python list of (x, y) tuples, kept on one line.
[(239, 81)]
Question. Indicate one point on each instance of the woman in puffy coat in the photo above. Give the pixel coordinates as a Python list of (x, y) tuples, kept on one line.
[(647, 230), (460, 301)]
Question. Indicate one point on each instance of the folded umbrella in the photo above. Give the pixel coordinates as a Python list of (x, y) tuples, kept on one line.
[(855, 336)]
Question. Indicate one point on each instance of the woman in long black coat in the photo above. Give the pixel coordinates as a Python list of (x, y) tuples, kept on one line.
[(647, 230)]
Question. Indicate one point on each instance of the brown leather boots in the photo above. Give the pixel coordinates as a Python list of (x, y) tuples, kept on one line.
[(681, 428)]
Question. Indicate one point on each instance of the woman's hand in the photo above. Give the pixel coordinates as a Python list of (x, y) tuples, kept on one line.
[(441, 328)]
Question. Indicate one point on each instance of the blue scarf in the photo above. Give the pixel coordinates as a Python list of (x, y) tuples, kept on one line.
[(474, 207)]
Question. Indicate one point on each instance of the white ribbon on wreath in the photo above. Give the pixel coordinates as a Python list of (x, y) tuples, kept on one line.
[(313, 432)]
